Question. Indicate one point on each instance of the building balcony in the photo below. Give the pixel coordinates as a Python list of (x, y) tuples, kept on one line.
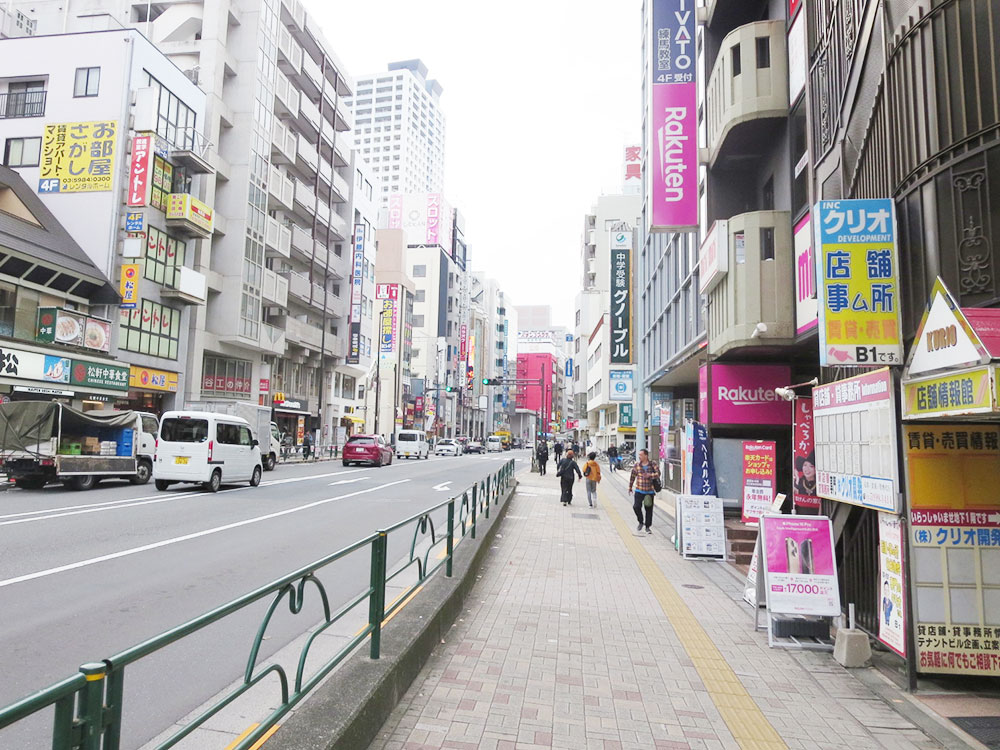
[(22, 104), (341, 146), (274, 289), (309, 116), (323, 211), (306, 157), (277, 238), (281, 189), (748, 88), (292, 11), (289, 52), (298, 285), (284, 142), (339, 226), (341, 190), (188, 286), (188, 216), (757, 288), (286, 96), (343, 119), (305, 198), (312, 74), (302, 241), (272, 339), (303, 334)]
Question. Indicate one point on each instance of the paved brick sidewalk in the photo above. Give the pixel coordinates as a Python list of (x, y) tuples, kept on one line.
[(582, 634)]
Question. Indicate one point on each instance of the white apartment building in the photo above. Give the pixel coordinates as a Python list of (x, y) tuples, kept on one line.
[(278, 268), (490, 405), (109, 132), (400, 128), (600, 414)]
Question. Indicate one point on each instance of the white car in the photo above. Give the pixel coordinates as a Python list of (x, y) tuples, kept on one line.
[(494, 444), (446, 447)]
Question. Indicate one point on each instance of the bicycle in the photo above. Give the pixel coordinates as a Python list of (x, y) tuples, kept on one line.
[(626, 461)]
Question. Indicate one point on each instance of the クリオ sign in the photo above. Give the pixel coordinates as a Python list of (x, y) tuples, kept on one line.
[(857, 271)]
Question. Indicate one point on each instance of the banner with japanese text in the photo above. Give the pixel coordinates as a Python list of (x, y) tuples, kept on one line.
[(78, 157), (804, 457), (621, 297), (891, 592), (800, 573), (759, 469), (857, 274), (702, 467)]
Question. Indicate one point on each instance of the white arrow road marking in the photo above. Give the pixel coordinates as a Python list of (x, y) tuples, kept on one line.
[(188, 537), (349, 481), (443, 487)]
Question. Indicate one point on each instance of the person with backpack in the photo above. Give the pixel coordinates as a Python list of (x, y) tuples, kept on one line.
[(645, 479), (592, 471), (542, 456), (565, 471)]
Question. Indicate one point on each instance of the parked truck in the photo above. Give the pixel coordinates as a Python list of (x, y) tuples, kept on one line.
[(264, 430), (43, 442)]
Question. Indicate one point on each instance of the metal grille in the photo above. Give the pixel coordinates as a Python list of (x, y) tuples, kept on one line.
[(986, 729), (857, 560)]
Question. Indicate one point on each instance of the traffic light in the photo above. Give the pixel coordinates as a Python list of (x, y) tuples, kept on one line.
[(449, 389), (491, 381)]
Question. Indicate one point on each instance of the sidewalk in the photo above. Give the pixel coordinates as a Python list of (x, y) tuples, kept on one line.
[(587, 635)]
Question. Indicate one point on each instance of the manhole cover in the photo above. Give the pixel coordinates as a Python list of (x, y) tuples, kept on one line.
[(986, 729), (692, 586), (584, 515)]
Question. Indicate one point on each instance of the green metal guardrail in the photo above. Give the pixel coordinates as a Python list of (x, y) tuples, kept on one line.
[(89, 705)]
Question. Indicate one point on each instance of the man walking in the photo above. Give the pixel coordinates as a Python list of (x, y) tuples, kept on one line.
[(542, 456), (613, 457), (565, 470), (645, 478), (557, 449)]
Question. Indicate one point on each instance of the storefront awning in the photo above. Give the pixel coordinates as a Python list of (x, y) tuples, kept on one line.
[(356, 420)]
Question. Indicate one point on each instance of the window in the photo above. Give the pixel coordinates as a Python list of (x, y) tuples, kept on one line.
[(152, 329), (767, 243), (244, 433), (420, 296), (88, 80), (227, 434), (164, 257), (162, 183), (184, 430), (175, 120), (418, 321), (22, 152), (150, 425), (25, 99), (419, 272), (735, 56), (231, 377), (26, 314), (8, 296), (763, 52)]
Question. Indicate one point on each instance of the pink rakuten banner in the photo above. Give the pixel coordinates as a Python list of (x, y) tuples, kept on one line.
[(744, 394), (674, 153)]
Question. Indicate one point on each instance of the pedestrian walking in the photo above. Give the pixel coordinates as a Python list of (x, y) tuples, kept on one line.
[(565, 470), (542, 456), (613, 457), (307, 444), (645, 479), (557, 449), (592, 471)]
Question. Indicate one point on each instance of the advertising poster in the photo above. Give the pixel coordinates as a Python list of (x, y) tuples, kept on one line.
[(954, 533), (621, 299), (800, 576), (78, 157), (804, 458), (357, 295), (891, 611), (857, 271), (664, 420), (759, 468), (673, 150), (300, 430), (140, 167), (702, 468), (387, 323), (855, 441), (702, 527)]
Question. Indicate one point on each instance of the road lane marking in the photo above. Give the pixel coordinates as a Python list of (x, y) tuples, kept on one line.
[(112, 504), (443, 487), (349, 481), (259, 743), (188, 537)]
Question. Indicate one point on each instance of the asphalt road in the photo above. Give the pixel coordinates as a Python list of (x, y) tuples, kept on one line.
[(84, 575)]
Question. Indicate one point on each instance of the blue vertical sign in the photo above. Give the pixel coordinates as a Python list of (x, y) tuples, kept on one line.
[(702, 468)]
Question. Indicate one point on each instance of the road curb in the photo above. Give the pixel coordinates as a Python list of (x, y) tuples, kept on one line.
[(348, 711)]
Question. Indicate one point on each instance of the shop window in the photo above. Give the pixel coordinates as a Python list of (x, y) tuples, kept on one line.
[(26, 314), (8, 306), (223, 376), (163, 178), (164, 257), (176, 122), (152, 329)]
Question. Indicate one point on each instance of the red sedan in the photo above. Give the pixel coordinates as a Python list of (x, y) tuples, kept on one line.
[(367, 449)]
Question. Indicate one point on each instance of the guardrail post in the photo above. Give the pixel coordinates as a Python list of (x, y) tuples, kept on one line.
[(487, 506), (62, 724), (92, 705), (114, 700), (451, 537), (376, 601), (475, 504)]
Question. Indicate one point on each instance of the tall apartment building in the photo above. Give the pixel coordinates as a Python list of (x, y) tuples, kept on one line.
[(110, 133), (603, 419), (278, 267), (490, 405), (401, 128)]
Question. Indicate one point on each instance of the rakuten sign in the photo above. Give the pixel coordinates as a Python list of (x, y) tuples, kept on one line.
[(744, 394)]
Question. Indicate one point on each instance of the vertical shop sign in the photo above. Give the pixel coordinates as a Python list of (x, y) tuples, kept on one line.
[(664, 419), (891, 609), (805, 278), (357, 294), (128, 286), (759, 465), (632, 178), (702, 467), (300, 430), (857, 270), (621, 296), (387, 322), (673, 148), (804, 457), (139, 172)]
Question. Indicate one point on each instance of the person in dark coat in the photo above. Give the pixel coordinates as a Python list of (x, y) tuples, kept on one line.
[(542, 456), (558, 450), (565, 471), (307, 445), (613, 457)]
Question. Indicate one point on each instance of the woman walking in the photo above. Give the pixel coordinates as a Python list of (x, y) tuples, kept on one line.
[(645, 479), (592, 471), (565, 471)]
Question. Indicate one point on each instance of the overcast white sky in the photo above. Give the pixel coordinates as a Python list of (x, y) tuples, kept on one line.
[(540, 98)]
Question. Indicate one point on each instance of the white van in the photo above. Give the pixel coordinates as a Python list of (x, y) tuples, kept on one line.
[(494, 444), (411, 444), (206, 448)]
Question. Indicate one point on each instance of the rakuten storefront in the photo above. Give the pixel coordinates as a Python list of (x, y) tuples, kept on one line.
[(738, 403)]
